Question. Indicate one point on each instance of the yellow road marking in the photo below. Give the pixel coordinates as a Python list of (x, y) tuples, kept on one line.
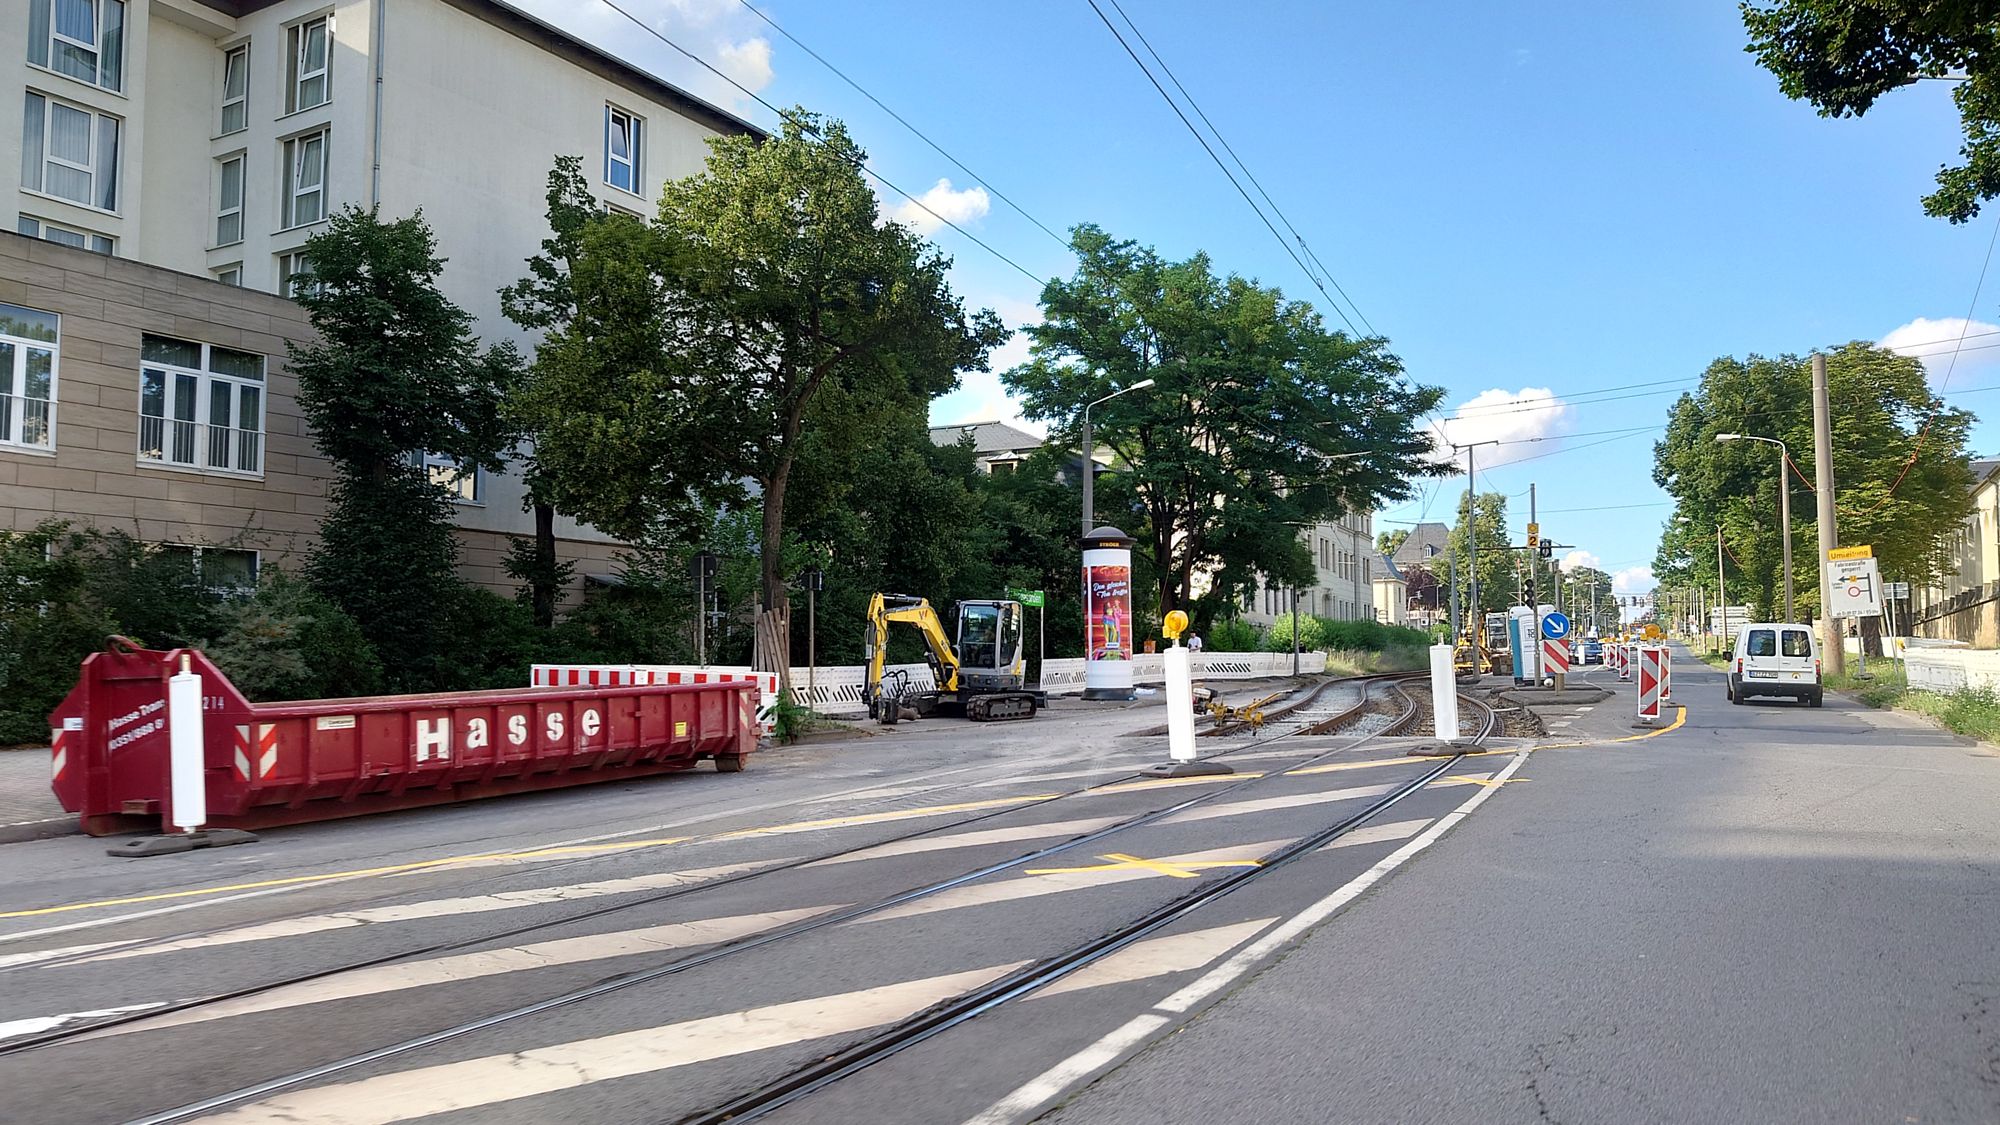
[(1169, 782), (1122, 862), (881, 817), (1386, 762), (1679, 718), (1461, 779)]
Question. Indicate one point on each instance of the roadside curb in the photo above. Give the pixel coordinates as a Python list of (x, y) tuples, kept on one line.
[(30, 830)]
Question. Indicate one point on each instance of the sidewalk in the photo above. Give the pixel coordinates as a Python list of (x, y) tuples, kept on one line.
[(28, 808), (1773, 914)]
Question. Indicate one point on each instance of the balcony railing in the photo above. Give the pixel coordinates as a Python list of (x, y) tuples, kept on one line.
[(197, 445), (26, 421)]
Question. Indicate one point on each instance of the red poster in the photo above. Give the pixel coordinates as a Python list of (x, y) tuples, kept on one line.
[(1110, 623)]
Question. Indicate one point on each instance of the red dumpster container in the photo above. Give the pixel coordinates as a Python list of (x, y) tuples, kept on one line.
[(287, 763)]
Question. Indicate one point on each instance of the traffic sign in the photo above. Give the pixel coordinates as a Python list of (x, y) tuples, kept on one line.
[(1555, 626), (1534, 535), (1896, 591), (1857, 588), (1030, 598), (1846, 554)]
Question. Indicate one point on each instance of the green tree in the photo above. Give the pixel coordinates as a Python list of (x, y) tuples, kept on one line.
[(394, 371), (1843, 55), (1583, 587), (1389, 542), (1902, 479), (766, 283), (1499, 566), (1252, 428)]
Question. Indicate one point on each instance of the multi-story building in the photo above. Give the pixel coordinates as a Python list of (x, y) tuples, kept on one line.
[(1965, 605), (1343, 586), (202, 142)]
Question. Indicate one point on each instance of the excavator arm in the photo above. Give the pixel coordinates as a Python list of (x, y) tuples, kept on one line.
[(886, 608)]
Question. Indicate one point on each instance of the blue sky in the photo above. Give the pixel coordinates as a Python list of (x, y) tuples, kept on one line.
[(1533, 201)]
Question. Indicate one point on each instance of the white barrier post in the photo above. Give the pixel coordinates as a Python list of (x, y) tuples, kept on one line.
[(1178, 664), (185, 751), (1444, 694)]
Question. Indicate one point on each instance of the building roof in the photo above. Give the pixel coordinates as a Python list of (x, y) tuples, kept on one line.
[(1389, 571), (987, 437), (556, 41), (1983, 467), (1426, 541)]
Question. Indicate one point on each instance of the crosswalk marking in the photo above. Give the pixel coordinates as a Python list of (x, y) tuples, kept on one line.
[(1033, 886), (1156, 957), (973, 839), (472, 966), (1267, 804), (1379, 833)]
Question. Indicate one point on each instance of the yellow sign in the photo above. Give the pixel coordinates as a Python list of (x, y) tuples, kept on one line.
[(1839, 554), (1534, 534), (1652, 632), (1176, 624)]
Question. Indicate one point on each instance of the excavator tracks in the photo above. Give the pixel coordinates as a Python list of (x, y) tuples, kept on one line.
[(999, 708)]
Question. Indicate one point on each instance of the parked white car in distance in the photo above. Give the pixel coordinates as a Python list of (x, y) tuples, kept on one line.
[(1776, 658)]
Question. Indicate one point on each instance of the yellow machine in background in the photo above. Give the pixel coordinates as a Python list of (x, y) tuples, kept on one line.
[(982, 676)]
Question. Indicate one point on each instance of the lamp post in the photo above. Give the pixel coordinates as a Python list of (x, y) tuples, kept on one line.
[(1477, 620), (1784, 506), (1090, 458)]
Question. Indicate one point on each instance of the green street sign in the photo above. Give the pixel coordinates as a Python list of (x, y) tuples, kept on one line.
[(1030, 598)]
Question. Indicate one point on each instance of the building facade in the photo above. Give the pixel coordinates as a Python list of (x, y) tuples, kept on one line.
[(1392, 593), (211, 138), (1344, 568), (1966, 605)]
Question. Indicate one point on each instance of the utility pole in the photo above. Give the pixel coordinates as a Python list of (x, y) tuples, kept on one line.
[(1451, 565), (1721, 592), (1834, 650)]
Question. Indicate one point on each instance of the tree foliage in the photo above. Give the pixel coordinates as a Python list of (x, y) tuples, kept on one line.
[(1843, 55), (765, 311), (1583, 587), (394, 372), (1249, 431), (1880, 402), (1483, 538)]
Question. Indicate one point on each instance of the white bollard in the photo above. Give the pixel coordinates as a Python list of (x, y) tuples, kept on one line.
[(1444, 694), (1180, 704), (185, 750)]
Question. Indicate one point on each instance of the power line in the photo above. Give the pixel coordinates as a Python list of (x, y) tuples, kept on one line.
[(1247, 174), (900, 120), (785, 115), (1210, 149)]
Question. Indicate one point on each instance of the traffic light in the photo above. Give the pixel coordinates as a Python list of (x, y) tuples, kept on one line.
[(1528, 591), (1548, 549)]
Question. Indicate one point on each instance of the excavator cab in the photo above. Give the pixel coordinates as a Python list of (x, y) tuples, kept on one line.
[(990, 647), (980, 673)]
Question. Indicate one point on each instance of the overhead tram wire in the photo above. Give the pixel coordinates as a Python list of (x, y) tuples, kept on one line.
[(900, 120), (1210, 149), (784, 115), (1247, 174)]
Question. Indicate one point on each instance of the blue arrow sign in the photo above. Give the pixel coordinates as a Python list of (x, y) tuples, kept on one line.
[(1555, 626)]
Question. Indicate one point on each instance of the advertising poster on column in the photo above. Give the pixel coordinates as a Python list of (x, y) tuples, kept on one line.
[(1110, 620)]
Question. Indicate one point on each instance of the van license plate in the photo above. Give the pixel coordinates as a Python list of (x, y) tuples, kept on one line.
[(1763, 675)]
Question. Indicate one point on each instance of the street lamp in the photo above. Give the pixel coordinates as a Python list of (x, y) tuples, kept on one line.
[(1090, 458), (1784, 505), (1478, 620)]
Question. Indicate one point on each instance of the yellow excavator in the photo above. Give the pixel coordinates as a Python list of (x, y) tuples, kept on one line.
[(982, 677)]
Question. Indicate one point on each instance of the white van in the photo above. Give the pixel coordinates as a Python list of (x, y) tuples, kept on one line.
[(1775, 658)]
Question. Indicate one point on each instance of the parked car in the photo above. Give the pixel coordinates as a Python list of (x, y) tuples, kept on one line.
[(1775, 658), (1593, 651)]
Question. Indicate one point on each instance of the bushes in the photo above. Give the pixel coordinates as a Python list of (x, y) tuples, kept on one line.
[(1322, 633), (1233, 635), (287, 642)]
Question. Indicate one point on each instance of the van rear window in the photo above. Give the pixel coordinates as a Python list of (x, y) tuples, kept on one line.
[(1798, 642), (1763, 642)]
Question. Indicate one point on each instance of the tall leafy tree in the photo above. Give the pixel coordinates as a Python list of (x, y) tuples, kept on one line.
[(1585, 588), (764, 284), (1250, 431), (1483, 539), (394, 371), (1902, 480), (1844, 55)]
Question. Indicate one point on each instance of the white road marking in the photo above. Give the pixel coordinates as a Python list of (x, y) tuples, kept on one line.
[(972, 839), (1156, 957), (1032, 886), (1379, 834), (1267, 804), (433, 908), (49, 954), (1058, 1080), (544, 1070), (15, 1029), (472, 966)]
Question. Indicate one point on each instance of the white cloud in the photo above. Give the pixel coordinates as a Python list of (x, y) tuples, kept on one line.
[(1530, 420), (1934, 341), (749, 62), (941, 204), (1633, 580), (1576, 559), (980, 396), (723, 32)]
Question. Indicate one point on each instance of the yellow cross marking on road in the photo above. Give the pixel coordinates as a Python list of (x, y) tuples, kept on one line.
[(1460, 779), (1122, 862)]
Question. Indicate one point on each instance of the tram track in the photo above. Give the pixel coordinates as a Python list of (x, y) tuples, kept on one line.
[(640, 902), (950, 1014)]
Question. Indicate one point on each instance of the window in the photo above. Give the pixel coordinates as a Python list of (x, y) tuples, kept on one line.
[(81, 239), (84, 39), (229, 205), (463, 485), (304, 200), (1797, 642), (27, 377), (306, 84), (223, 570), (295, 275), (235, 89), (230, 274), (1762, 642), (621, 149), (70, 152), (200, 406)]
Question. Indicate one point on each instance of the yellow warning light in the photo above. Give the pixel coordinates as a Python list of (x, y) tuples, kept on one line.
[(1177, 623)]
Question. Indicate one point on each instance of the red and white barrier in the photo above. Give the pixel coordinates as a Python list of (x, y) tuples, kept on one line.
[(1651, 661), (1555, 657), (1623, 653), (628, 675)]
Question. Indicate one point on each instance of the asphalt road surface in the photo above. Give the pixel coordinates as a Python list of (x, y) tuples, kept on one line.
[(1766, 913)]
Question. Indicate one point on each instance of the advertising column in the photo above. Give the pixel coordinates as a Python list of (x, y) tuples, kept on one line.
[(1107, 614)]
